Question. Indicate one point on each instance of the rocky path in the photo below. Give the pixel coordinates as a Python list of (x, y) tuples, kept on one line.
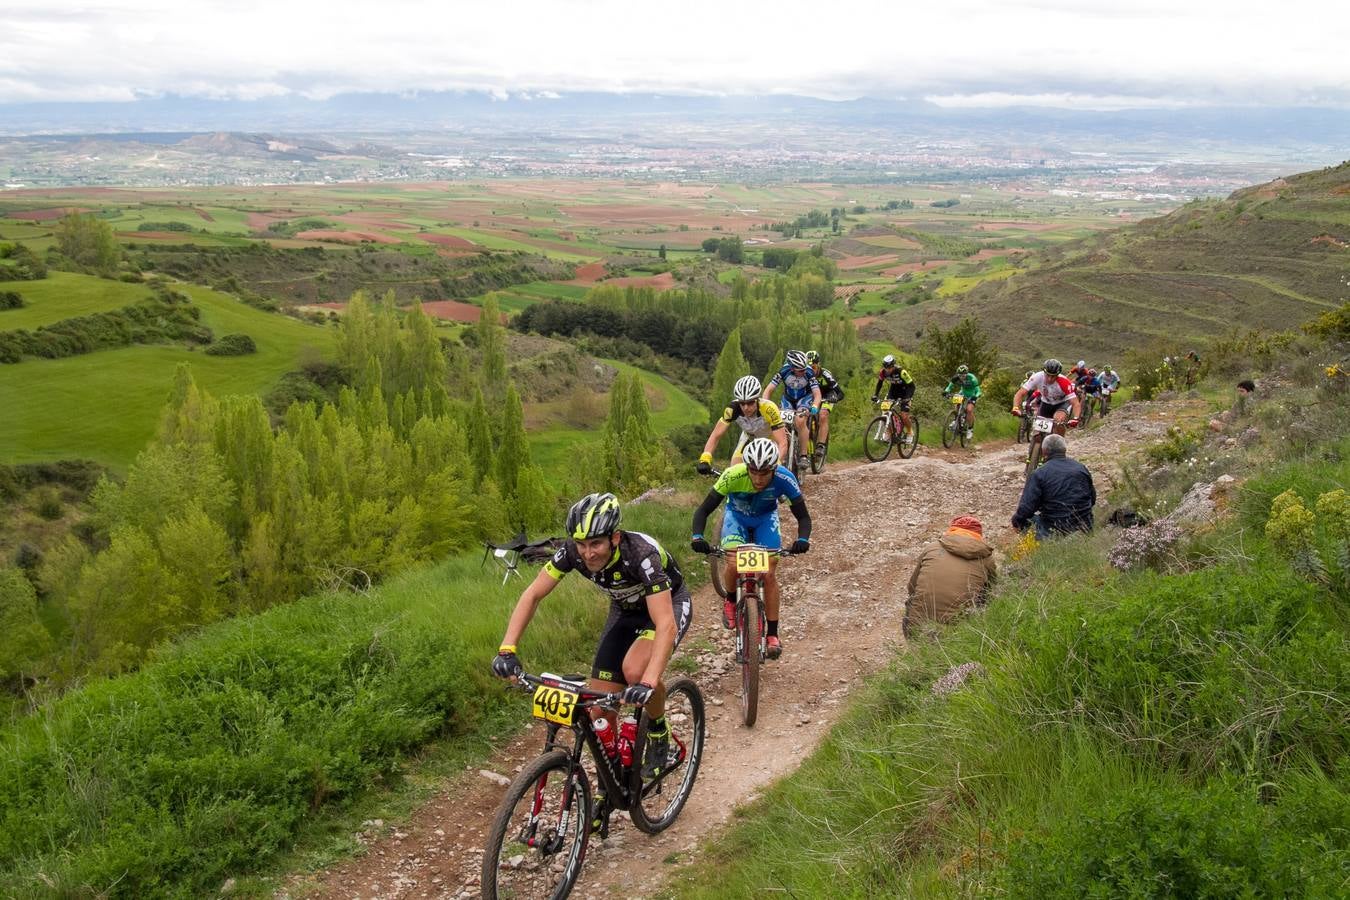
[(840, 621)]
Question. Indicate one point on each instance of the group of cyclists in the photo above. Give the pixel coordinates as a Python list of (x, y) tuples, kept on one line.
[(650, 606)]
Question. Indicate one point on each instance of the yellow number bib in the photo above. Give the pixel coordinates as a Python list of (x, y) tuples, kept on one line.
[(956, 401), (886, 405), (554, 704), (752, 559)]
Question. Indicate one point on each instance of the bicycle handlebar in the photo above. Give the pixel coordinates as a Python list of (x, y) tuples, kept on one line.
[(528, 683), (723, 552)]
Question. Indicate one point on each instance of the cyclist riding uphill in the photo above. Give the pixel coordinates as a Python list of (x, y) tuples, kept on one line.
[(968, 385), (1057, 396), (901, 388), (801, 392), (756, 418), (649, 612), (751, 490), (831, 392)]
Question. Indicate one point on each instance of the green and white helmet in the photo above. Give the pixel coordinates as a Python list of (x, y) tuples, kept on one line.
[(595, 515)]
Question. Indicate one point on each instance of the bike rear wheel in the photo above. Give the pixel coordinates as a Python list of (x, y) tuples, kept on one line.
[(1087, 412), (748, 624), (660, 800), (538, 838), (908, 438), (877, 439)]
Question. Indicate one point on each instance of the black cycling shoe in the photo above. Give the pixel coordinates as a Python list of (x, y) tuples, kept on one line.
[(657, 756)]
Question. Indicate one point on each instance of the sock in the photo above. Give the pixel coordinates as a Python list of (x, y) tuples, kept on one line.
[(773, 627), (658, 728)]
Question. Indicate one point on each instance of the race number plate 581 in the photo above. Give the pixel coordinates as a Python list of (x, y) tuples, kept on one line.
[(554, 704), (752, 559)]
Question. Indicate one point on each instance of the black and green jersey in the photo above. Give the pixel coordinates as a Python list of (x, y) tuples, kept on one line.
[(639, 568)]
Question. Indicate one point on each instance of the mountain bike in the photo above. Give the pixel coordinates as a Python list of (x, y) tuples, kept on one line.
[(813, 445), (537, 842), (1106, 401), (1089, 401), (752, 565), (794, 453), (888, 430), (956, 425)]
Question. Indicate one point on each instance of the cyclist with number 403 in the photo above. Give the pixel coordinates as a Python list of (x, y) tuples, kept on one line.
[(650, 609), (751, 489)]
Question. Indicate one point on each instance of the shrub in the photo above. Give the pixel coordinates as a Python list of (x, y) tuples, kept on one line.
[(1179, 445), (11, 300), (1149, 546), (1174, 842), (233, 345)]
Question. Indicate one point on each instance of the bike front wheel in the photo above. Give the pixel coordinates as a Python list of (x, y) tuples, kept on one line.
[(661, 799), (949, 433), (715, 563), (1033, 455), (749, 618), (877, 439), (538, 838)]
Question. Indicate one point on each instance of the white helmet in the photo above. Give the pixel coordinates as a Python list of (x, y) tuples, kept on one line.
[(888, 360), (1082, 364), (761, 453), (747, 388), (795, 359)]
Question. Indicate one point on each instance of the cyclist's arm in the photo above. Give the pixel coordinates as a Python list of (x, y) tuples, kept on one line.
[(538, 589), (780, 437), (662, 613), (1019, 397), (803, 517), (719, 429), (950, 388), (876, 391), (710, 503)]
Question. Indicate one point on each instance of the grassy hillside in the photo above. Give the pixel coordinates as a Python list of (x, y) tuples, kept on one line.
[(104, 406), (1266, 257), (62, 295)]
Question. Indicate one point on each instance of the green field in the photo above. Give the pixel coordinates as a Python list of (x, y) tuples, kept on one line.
[(62, 295), (105, 406)]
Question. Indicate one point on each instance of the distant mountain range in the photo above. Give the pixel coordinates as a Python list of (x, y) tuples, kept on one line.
[(1296, 130)]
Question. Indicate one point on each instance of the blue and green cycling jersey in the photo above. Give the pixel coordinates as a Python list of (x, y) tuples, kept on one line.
[(734, 484)]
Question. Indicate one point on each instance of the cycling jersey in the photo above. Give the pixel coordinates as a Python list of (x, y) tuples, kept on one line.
[(796, 388), (1089, 384), (1111, 381), (767, 418), (735, 485), (830, 389), (639, 568), (1055, 389), (894, 375), (967, 384)]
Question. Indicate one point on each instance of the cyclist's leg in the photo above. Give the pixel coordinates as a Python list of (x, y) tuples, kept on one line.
[(767, 534), (823, 423), (970, 413), (639, 653), (607, 669), (734, 533), (802, 424), (740, 447)]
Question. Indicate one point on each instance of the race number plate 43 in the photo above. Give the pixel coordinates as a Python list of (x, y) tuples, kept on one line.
[(554, 704), (1043, 425), (752, 559)]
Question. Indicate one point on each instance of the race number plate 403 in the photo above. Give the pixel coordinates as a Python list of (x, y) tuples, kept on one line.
[(554, 704), (752, 559), (1043, 425)]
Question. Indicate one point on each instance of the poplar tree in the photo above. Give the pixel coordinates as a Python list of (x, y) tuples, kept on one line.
[(492, 345), (731, 366), (479, 438), (514, 452)]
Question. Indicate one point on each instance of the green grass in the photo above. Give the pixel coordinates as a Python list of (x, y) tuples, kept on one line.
[(62, 295), (105, 406)]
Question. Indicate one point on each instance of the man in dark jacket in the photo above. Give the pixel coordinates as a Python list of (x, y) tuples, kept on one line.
[(951, 575), (1059, 496)]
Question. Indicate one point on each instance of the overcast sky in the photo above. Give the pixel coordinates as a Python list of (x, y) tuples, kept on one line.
[(1100, 54)]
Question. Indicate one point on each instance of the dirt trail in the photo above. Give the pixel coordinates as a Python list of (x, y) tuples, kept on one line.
[(840, 621)]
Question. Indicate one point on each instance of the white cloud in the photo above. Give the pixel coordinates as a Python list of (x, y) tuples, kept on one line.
[(1094, 53)]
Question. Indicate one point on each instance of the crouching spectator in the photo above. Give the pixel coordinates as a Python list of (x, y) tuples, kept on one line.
[(951, 575), (1059, 496)]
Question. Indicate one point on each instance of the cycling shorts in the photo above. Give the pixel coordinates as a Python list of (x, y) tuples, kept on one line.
[(901, 391), (802, 404), (742, 529), (1048, 410), (624, 629)]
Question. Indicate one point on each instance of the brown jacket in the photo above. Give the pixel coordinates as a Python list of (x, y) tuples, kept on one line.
[(952, 574)]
